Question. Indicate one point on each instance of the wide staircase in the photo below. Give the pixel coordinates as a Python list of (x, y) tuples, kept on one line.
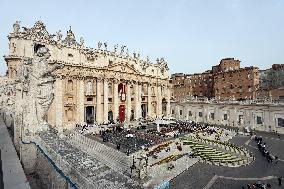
[(111, 157)]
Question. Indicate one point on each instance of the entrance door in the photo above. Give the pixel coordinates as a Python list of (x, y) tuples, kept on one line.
[(89, 115), (121, 113), (144, 110), (110, 117)]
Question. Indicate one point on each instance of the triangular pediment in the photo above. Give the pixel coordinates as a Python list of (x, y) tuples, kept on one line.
[(122, 67)]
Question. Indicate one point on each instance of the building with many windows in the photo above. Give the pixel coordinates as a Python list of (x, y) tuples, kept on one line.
[(224, 81), (96, 84), (262, 116)]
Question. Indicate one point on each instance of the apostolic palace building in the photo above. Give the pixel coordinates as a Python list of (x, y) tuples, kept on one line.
[(100, 84)]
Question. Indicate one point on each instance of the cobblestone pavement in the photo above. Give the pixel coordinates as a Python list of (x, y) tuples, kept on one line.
[(201, 174)]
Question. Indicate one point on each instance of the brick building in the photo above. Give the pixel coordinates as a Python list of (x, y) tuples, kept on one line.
[(226, 80), (240, 83)]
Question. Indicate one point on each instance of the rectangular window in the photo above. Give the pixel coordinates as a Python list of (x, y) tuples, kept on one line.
[(280, 122), (190, 113), (200, 114), (225, 116), (173, 111), (258, 120), (89, 99), (180, 112)]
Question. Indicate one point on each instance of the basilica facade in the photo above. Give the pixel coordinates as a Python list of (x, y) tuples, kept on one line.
[(94, 84)]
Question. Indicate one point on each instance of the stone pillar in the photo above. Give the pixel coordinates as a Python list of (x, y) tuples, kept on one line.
[(105, 117), (169, 102), (139, 99), (149, 100), (81, 102), (159, 101), (136, 100), (115, 99), (128, 101), (99, 103), (58, 99)]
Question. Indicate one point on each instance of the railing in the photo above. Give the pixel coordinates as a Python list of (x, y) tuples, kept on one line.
[(1, 173)]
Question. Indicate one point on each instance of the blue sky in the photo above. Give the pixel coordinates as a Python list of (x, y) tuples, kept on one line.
[(192, 35)]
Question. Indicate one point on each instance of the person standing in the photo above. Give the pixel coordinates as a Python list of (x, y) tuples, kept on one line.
[(279, 181)]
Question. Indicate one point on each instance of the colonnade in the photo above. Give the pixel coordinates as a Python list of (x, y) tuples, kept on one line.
[(134, 98)]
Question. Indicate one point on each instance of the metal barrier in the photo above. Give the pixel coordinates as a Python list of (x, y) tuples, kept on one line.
[(1, 173)]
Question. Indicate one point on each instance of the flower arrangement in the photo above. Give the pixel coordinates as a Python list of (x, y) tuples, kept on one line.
[(168, 159), (159, 148)]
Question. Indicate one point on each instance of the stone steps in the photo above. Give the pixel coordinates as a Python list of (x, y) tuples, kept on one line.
[(109, 156)]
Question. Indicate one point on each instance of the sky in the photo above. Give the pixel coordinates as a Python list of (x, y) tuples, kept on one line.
[(192, 35)]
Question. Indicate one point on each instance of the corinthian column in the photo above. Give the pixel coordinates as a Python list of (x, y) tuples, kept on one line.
[(128, 101), (58, 99), (159, 101), (99, 103), (105, 101), (149, 100), (136, 100), (115, 99), (81, 98), (168, 101), (139, 99)]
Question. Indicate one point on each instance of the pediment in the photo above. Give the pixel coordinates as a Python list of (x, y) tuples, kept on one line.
[(122, 67)]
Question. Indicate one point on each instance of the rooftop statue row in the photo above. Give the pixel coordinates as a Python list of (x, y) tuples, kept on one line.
[(39, 33)]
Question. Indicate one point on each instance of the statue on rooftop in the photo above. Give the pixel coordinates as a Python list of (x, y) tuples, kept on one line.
[(115, 48), (99, 45), (82, 41), (16, 27), (105, 44), (58, 36), (122, 49)]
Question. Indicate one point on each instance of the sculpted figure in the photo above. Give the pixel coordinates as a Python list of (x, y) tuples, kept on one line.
[(99, 45), (115, 48), (82, 41), (105, 44), (16, 27), (41, 84), (147, 59), (59, 35), (122, 49)]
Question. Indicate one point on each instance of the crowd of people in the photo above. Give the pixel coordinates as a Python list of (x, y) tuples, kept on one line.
[(262, 148)]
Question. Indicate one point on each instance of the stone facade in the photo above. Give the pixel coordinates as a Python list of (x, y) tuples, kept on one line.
[(262, 116), (224, 81), (95, 84)]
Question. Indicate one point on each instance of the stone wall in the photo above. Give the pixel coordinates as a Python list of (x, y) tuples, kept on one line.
[(254, 116)]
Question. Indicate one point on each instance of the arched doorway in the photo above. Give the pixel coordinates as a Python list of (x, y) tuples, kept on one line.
[(89, 115), (121, 113), (110, 117)]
